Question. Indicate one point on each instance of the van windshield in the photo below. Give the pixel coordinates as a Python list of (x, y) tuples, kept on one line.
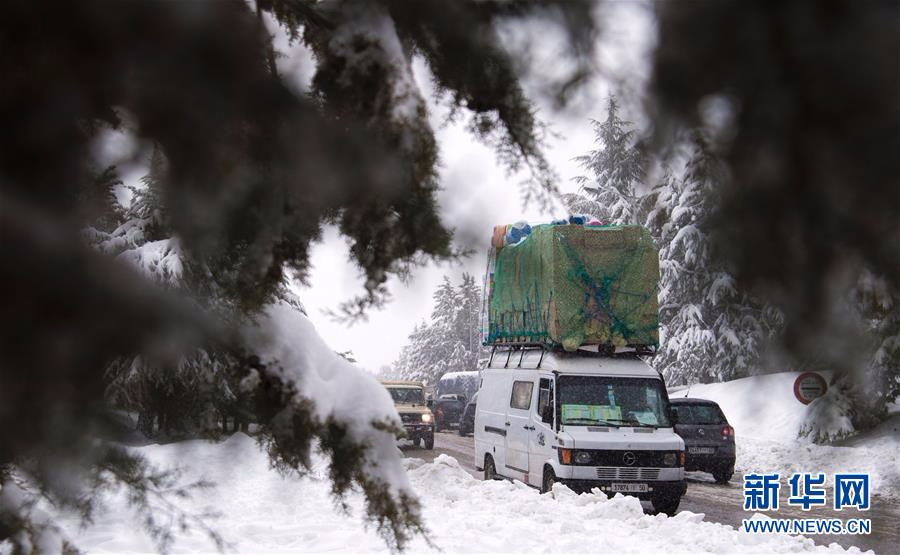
[(407, 395), (599, 400)]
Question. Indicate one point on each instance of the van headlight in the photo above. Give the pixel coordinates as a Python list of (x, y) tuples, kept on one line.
[(582, 457), (426, 417), (669, 459)]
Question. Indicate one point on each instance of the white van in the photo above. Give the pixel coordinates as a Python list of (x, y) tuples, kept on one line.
[(582, 419)]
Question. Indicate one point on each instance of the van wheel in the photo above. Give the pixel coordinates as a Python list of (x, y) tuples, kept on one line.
[(417, 442), (490, 471), (723, 475), (429, 442), (548, 481), (666, 505)]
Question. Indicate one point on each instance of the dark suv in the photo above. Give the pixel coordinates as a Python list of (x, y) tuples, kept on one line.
[(467, 420), (708, 438), (447, 410)]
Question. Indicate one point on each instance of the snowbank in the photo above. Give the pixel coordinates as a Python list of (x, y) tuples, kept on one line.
[(263, 512), (767, 417), (761, 407)]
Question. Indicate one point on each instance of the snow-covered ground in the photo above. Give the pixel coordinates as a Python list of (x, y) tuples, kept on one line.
[(262, 511), (766, 417)]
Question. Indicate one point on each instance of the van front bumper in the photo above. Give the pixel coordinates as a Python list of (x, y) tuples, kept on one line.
[(620, 474), (655, 490)]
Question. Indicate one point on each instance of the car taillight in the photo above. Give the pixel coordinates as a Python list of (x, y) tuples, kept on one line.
[(727, 432)]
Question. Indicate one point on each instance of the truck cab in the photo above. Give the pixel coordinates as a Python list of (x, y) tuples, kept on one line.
[(584, 419)]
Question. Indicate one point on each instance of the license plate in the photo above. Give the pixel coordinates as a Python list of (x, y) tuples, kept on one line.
[(629, 488), (701, 450)]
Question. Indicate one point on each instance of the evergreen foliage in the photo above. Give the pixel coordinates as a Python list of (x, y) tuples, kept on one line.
[(710, 329), (617, 168), (812, 206), (450, 341), (154, 307), (859, 400), (713, 327)]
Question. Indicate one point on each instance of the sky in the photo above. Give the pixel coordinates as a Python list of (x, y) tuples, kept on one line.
[(476, 191)]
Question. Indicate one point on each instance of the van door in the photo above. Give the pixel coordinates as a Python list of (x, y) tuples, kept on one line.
[(519, 426), (490, 419), (543, 436)]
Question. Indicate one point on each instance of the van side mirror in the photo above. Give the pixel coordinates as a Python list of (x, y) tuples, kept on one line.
[(429, 403)]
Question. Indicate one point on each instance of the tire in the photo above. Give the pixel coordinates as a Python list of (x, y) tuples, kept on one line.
[(429, 442), (723, 475), (417, 442), (490, 471), (548, 481), (463, 430), (666, 505)]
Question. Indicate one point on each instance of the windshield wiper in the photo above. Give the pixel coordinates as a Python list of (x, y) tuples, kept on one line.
[(588, 420), (636, 423)]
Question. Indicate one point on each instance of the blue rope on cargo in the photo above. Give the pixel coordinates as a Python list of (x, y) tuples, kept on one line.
[(602, 293)]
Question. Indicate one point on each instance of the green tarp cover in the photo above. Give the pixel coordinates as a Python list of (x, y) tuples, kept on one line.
[(573, 285)]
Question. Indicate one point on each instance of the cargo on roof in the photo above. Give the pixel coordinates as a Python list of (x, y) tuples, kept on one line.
[(572, 285)]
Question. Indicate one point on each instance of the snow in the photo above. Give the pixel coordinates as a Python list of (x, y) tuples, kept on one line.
[(287, 341), (463, 375), (264, 512), (722, 286), (128, 235), (42, 535), (160, 260), (767, 419), (383, 49), (827, 416)]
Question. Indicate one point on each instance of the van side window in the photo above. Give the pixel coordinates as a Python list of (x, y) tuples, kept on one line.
[(545, 400), (521, 395)]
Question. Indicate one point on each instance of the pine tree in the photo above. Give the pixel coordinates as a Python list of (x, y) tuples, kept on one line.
[(711, 331), (617, 168), (199, 390), (451, 340), (468, 321)]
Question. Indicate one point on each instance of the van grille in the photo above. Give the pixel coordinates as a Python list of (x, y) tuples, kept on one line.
[(622, 473), (616, 458), (408, 417)]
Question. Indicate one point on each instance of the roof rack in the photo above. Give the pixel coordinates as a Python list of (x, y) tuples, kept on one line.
[(521, 348)]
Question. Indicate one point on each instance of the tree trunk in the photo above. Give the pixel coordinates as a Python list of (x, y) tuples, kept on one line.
[(145, 423)]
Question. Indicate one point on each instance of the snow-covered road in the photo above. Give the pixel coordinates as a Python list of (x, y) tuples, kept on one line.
[(721, 504)]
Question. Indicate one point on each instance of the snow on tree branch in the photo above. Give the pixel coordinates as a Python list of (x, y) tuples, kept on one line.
[(347, 409)]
